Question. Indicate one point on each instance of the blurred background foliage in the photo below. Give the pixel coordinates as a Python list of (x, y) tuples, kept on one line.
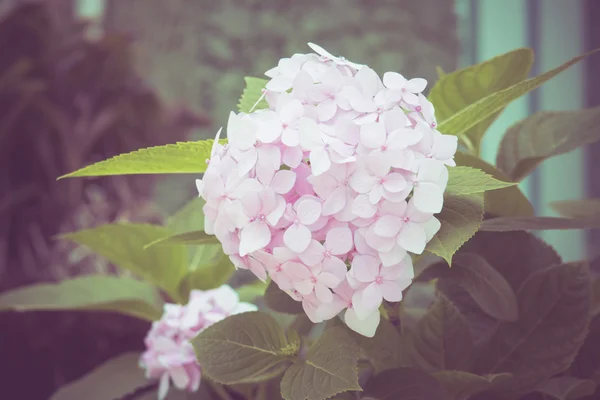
[(149, 72)]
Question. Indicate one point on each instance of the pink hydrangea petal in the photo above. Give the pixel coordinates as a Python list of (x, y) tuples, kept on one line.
[(388, 226), (392, 257), (253, 237), (283, 181), (335, 202), (296, 271), (428, 197), (339, 240), (163, 386), (362, 207), (308, 210), (412, 238), (394, 182), (326, 109), (416, 85), (270, 131), (290, 137), (291, 111), (365, 268), (372, 297), (310, 134), (361, 181), (431, 226), (410, 98), (304, 287), (292, 156), (323, 293), (335, 266), (391, 291), (366, 326), (373, 135), (329, 310), (394, 80), (297, 237), (314, 253), (320, 161)]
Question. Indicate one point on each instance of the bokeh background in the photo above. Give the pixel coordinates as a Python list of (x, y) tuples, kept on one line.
[(82, 80)]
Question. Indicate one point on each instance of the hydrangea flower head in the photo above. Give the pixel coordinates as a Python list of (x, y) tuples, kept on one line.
[(170, 357), (331, 189)]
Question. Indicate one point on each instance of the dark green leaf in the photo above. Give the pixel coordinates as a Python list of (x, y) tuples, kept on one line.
[(382, 350), (252, 93), (123, 245), (404, 384), (243, 348), (114, 379), (586, 208), (486, 286), (460, 219), (566, 388), (472, 115), (554, 305), (507, 202), (595, 296), (179, 158), (545, 134), (460, 385), (102, 293), (440, 340), (279, 301), (330, 368), (459, 89), (515, 255), (187, 238), (506, 224)]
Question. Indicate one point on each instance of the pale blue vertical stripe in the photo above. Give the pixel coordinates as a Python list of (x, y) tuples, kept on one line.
[(90, 8), (562, 178), (502, 27)]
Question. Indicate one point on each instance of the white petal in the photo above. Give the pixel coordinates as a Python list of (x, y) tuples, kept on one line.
[(366, 326)]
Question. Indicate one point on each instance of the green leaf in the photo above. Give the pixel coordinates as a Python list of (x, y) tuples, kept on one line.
[(441, 339), (585, 208), (545, 134), (505, 224), (243, 348), (566, 388), (114, 379), (179, 158), (440, 71), (508, 201), (191, 218), (383, 350), (486, 286), (330, 368), (249, 292), (279, 301), (460, 385), (554, 305), (515, 255), (466, 180), (456, 91), (252, 93), (208, 274), (101, 293), (123, 245), (460, 219), (188, 218), (472, 115), (404, 384), (187, 238)]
